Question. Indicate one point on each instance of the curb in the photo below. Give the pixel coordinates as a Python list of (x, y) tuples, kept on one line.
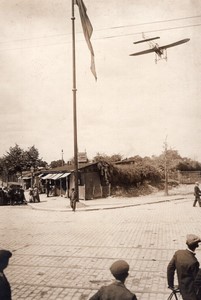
[(104, 207)]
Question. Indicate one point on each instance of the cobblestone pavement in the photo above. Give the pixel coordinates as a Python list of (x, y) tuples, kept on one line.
[(66, 255)]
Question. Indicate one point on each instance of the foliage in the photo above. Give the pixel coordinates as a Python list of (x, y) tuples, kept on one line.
[(189, 165), (135, 171), (175, 162), (134, 174), (17, 160), (57, 163), (107, 158)]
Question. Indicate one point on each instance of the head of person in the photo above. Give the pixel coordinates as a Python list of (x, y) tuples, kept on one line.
[(119, 270), (5, 255), (192, 241)]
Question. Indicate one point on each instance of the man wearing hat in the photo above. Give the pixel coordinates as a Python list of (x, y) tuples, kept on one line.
[(197, 193), (187, 266), (116, 290), (5, 290)]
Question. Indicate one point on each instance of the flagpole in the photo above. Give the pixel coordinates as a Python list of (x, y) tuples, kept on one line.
[(74, 104)]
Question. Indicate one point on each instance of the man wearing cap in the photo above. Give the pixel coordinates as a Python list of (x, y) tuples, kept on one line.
[(197, 193), (187, 266), (116, 290), (5, 290)]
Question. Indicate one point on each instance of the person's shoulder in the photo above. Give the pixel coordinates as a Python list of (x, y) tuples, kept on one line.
[(128, 292), (184, 253)]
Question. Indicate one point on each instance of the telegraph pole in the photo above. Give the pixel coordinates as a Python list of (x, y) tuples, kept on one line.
[(74, 104)]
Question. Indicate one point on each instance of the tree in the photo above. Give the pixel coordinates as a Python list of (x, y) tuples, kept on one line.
[(57, 163), (14, 160), (17, 160), (186, 164), (107, 158), (31, 158)]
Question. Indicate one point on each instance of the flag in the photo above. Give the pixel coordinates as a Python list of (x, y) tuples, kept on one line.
[(87, 30)]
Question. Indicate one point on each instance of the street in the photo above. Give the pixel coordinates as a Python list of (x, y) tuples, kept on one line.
[(67, 255)]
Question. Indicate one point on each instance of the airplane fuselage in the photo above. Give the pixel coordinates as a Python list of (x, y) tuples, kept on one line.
[(158, 51)]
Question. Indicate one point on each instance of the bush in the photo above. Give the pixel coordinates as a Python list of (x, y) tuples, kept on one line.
[(134, 175)]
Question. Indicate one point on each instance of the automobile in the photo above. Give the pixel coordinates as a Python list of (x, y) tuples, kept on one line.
[(12, 194)]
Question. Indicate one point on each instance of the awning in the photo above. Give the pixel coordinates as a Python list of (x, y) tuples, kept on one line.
[(48, 176), (64, 175), (40, 175), (25, 177), (56, 176)]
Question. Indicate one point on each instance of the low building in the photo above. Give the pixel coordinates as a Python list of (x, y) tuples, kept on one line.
[(93, 180)]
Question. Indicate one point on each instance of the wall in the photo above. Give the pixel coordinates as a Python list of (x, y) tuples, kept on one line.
[(186, 177)]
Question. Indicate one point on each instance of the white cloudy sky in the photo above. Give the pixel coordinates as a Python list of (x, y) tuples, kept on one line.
[(134, 104)]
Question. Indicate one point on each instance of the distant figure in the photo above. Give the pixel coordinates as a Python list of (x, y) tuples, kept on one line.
[(36, 196), (47, 188), (116, 290), (21, 196), (30, 195), (197, 193), (5, 195), (23, 199), (187, 267), (73, 199), (5, 290), (1, 196), (11, 195)]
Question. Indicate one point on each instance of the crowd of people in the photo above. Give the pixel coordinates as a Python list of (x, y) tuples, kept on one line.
[(12, 195), (15, 195), (34, 194)]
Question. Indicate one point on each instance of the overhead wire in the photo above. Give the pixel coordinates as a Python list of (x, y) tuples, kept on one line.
[(102, 38), (103, 29), (155, 30), (154, 22)]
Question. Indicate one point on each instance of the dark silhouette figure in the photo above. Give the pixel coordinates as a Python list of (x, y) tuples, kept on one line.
[(116, 290), (197, 193), (47, 188), (5, 290), (73, 199), (186, 265)]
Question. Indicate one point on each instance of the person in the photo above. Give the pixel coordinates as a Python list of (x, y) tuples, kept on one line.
[(116, 290), (5, 289), (22, 196), (187, 267), (73, 199), (30, 195), (1, 196), (197, 193), (36, 196), (47, 188), (6, 196), (11, 195)]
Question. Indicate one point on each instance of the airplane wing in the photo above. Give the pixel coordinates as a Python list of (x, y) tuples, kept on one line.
[(147, 40), (174, 44), (142, 52)]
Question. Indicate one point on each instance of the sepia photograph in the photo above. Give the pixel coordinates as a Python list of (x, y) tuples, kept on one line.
[(100, 160)]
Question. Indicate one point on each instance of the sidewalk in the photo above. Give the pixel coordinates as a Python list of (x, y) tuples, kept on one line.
[(183, 192)]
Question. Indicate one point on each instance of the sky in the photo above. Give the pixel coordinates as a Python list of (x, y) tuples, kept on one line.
[(134, 106)]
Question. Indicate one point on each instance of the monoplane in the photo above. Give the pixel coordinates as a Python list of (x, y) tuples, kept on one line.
[(160, 51)]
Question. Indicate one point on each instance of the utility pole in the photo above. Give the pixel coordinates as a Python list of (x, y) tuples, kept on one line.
[(74, 106), (166, 168)]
